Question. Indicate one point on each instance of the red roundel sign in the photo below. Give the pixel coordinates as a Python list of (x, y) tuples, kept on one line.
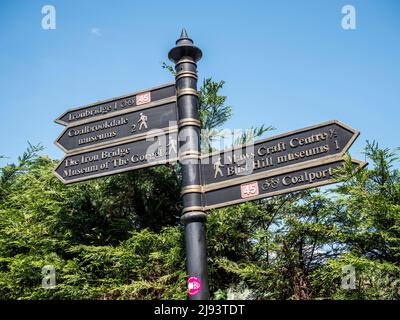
[(194, 286)]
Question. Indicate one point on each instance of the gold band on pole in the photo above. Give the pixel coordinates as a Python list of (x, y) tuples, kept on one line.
[(194, 208), (186, 61), (189, 155), (187, 91), (189, 122), (184, 74), (190, 152), (191, 189)]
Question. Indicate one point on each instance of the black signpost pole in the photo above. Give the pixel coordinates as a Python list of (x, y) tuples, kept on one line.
[(185, 55), (111, 136)]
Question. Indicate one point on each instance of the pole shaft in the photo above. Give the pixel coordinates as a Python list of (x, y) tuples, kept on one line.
[(189, 135), (185, 55)]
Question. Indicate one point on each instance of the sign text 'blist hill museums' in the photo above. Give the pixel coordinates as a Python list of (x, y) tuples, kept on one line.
[(225, 174), (326, 139)]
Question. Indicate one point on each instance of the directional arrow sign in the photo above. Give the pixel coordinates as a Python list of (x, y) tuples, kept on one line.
[(121, 157), (281, 181), (248, 162), (153, 96), (130, 124)]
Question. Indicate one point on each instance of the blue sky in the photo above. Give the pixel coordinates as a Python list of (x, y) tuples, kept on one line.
[(288, 64)]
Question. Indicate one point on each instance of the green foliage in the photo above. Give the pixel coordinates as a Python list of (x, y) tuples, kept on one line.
[(214, 112), (296, 246), (120, 238), (103, 246), (8, 172), (168, 67), (250, 134)]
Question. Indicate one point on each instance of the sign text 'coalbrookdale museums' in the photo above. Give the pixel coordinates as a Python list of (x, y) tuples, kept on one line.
[(118, 135), (136, 124)]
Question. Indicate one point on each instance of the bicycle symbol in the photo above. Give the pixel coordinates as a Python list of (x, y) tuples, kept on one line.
[(270, 184)]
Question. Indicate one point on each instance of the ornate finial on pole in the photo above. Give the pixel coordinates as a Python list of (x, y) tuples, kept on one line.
[(184, 47), (184, 35), (185, 55)]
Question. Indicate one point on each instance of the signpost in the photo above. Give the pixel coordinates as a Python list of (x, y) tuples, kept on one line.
[(285, 150), (185, 55), (122, 103), (118, 158), (141, 130), (299, 177), (120, 126)]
